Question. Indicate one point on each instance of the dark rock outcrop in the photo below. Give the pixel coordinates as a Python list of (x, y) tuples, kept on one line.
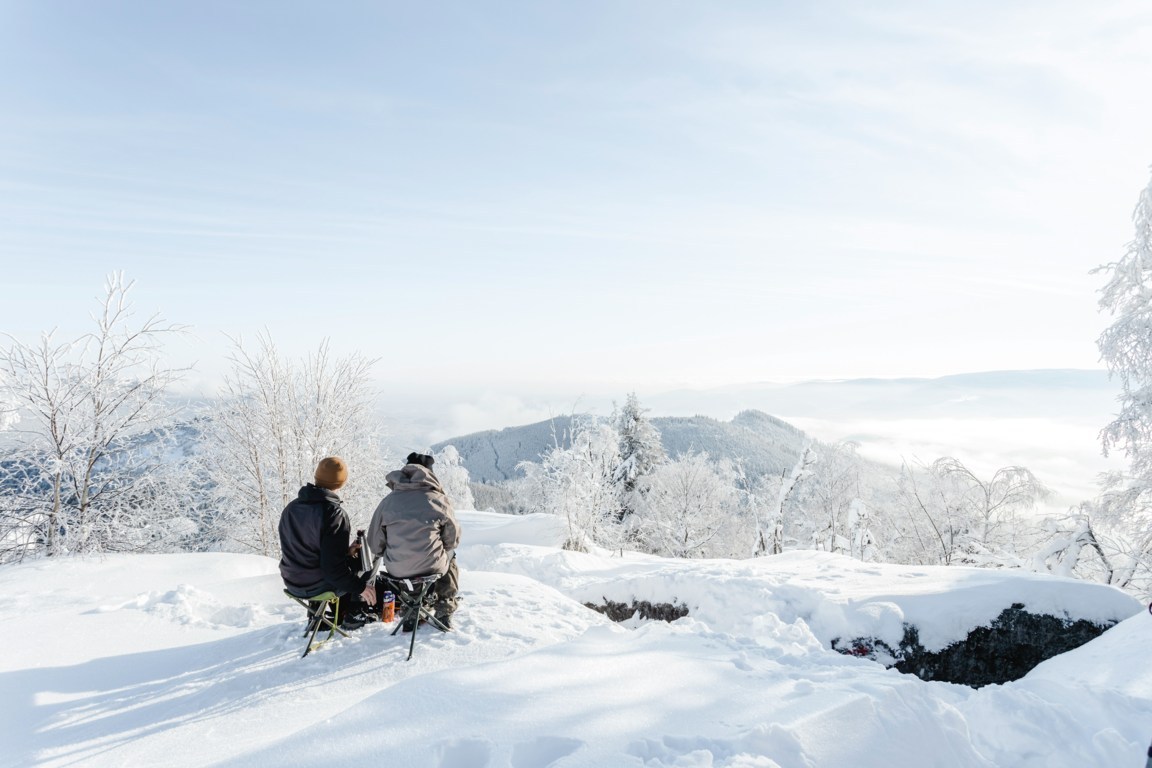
[(1008, 649), (624, 611)]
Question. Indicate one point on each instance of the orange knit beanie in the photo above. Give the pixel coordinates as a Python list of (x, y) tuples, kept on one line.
[(331, 473)]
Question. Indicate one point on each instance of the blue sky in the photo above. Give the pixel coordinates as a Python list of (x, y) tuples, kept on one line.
[(580, 197)]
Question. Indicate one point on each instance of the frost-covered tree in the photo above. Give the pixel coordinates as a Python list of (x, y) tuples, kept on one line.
[(997, 534), (575, 482), (91, 466), (277, 419), (453, 476), (1077, 545), (1073, 549), (958, 517), (929, 537), (641, 450), (1126, 349), (832, 488), (14, 531), (861, 540), (689, 508), (772, 517), (9, 408)]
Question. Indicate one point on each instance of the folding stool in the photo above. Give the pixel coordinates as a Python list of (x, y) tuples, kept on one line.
[(412, 595), (317, 606)]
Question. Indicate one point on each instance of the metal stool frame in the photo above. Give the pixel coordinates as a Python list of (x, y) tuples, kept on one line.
[(412, 593), (317, 605)]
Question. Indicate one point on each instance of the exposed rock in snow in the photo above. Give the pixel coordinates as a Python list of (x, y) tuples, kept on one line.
[(1010, 647), (641, 609)]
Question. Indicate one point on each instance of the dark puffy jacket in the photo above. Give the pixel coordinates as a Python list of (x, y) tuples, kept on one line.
[(414, 528), (314, 537)]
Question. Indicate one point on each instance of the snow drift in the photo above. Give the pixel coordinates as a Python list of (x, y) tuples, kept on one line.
[(193, 660)]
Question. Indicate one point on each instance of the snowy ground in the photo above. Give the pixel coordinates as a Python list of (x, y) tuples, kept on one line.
[(193, 660)]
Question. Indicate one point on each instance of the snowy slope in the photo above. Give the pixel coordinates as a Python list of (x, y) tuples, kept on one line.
[(192, 660)]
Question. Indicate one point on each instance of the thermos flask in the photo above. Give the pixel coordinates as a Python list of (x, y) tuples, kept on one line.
[(365, 553)]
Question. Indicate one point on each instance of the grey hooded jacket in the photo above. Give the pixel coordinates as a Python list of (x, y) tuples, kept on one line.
[(414, 527)]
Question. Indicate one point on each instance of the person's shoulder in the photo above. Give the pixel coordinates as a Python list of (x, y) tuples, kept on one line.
[(326, 500), (303, 499)]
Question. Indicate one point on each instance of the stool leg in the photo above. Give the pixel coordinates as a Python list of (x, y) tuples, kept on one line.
[(321, 608), (316, 614), (404, 613), (419, 613)]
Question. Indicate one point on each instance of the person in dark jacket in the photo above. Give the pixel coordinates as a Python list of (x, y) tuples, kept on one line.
[(316, 550), (414, 530)]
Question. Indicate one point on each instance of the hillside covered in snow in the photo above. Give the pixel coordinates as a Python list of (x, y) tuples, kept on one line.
[(762, 443), (193, 659)]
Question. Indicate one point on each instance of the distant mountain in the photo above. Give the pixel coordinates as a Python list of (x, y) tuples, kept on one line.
[(1074, 394), (763, 443), (491, 456)]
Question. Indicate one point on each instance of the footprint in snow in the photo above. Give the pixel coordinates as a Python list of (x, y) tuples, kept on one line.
[(465, 753), (543, 751)]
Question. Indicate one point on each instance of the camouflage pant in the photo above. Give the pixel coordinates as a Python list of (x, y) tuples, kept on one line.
[(446, 590)]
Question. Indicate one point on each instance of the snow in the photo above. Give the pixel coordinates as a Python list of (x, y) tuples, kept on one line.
[(194, 660)]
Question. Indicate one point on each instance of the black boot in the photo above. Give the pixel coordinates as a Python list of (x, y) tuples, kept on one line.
[(355, 613)]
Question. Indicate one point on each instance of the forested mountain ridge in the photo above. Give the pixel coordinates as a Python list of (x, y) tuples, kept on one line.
[(763, 444)]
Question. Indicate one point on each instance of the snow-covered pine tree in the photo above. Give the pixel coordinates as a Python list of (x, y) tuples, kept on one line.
[(641, 450), (453, 476)]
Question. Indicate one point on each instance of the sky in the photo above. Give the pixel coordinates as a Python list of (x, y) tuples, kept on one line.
[(581, 197)]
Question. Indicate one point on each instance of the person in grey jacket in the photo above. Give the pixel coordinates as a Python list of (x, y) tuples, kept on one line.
[(414, 530)]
